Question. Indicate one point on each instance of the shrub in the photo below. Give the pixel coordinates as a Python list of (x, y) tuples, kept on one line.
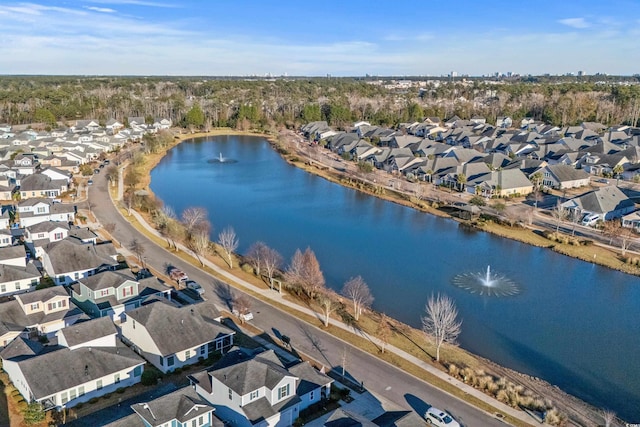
[(247, 268), (93, 400), (149, 377), (120, 390), (454, 371), (502, 396)]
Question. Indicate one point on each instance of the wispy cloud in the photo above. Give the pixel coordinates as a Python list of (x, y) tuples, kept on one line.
[(578, 23), (100, 9), (137, 3)]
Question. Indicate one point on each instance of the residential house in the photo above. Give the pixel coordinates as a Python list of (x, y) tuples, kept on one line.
[(632, 220), (162, 123), (563, 177), (170, 337), (40, 185), (15, 255), (606, 202), (37, 313), (257, 390), (96, 364), (36, 210), (504, 122), (57, 174), (38, 235), (6, 238), (111, 293), (69, 260), (181, 408), (501, 183), (25, 164), (113, 126)]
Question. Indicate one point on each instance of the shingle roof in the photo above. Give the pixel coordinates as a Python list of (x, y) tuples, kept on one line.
[(181, 405), (310, 378), (245, 376), (604, 200), (107, 279), (12, 252), (70, 368), (88, 331), (185, 325), (566, 173), (67, 256)]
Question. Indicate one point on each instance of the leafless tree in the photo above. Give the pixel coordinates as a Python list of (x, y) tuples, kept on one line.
[(574, 216), (272, 261), (328, 303), (559, 213), (175, 232), (440, 322), (610, 229), (304, 273), (255, 256), (137, 248), (128, 199), (229, 242), (626, 236), (608, 417), (358, 292), (199, 241), (383, 331), (191, 217), (241, 306)]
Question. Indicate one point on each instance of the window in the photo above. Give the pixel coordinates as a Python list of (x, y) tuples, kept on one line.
[(193, 423), (72, 394), (254, 395), (137, 371), (35, 306), (311, 395), (127, 291), (230, 394), (104, 292), (202, 350), (81, 390), (40, 236), (116, 378), (187, 354), (201, 420), (17, 286), (170, 361), (283, 392), (58, 236), (41, 209), (133, 323), (76, 276), (98, 384), (64, 398), (3, 288)]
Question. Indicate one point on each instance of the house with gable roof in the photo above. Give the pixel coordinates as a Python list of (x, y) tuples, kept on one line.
[(88, 362), (36, 210), (606, 202), (40, 185), (37, 313), (170, 337), (70, 259), (562, 177), (182, 408), (111, 293), (257, 390)]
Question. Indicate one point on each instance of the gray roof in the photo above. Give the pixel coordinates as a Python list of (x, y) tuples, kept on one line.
[(343, 418), (245, 376), (12, 252), (262, 409), (13, 273), (82, 233), (47, 226), (42, 295), (107, 279), (68, 256), (181, 405), (88, 331), (70, 368), (185, 325), (310, 378), (21, 348), (564, 173), (399, 419), (37, 182), (604, 200)]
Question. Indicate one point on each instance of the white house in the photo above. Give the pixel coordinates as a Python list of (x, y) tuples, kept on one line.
[(170, 337), (74, 374), (561, 176), (17, 279), (37, 210), (70, 259), (249, 390)]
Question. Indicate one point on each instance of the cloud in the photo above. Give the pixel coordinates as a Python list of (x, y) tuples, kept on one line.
[(579, 23), (137, 3), (100, 9)]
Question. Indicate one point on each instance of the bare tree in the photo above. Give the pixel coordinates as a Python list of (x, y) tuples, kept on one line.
[(137, 248), (229, 242), (241, 306), (574, 216), (358, 292), (272, 261), (255, 256), (440, 322), (559, 212), (199, 241), (191, 217), (175, 232), (328, 304), (608, 417), (383, 331), (305, 274), (610, 230), (626, 236)]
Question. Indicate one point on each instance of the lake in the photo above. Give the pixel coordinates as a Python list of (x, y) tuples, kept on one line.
[(574, 324)]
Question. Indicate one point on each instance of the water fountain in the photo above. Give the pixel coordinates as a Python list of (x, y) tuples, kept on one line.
[(221, 159), (486, 284)]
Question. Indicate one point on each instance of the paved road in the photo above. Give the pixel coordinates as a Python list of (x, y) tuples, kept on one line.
[(377, 376)]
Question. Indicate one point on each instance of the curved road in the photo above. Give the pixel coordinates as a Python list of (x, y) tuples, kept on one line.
[(379, 377)]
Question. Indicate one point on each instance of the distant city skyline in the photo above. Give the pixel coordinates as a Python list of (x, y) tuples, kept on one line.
[(347, 38)]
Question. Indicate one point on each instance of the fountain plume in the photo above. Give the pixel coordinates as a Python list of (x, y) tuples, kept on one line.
[(486, 283)]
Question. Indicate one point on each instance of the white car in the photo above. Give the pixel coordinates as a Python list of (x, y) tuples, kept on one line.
[(436, 417), (246, 317)]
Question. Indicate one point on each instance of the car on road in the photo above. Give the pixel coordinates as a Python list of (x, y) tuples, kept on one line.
[(439, 418), (195, 287), (590, 219), (603, 180), (246, 316)]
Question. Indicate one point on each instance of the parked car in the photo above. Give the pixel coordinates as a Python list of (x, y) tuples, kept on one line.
[(439, 418), (178, 275), (246, 316), (590, 219), (195, 287)]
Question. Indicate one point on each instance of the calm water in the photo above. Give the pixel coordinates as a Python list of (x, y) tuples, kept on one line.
[(575, 324)]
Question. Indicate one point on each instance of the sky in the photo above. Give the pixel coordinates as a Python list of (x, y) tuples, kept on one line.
[(341, 38)]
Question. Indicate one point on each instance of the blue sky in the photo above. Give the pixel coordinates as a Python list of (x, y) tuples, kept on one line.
[(343, 38)]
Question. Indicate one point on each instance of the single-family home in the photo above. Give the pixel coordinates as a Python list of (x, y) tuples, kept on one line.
[(40, 185), (501, 183), (62, 377), (111, 293), (181, 408), (632, 220), (69, 259), (37, 313), (606, 203), (170, 337), (560, 177), (36, 210), (257, 390)]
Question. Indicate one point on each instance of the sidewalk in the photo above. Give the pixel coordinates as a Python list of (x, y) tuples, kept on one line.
[(271, 295)]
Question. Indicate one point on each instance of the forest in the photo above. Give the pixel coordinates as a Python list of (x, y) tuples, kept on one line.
[(267, 104)]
